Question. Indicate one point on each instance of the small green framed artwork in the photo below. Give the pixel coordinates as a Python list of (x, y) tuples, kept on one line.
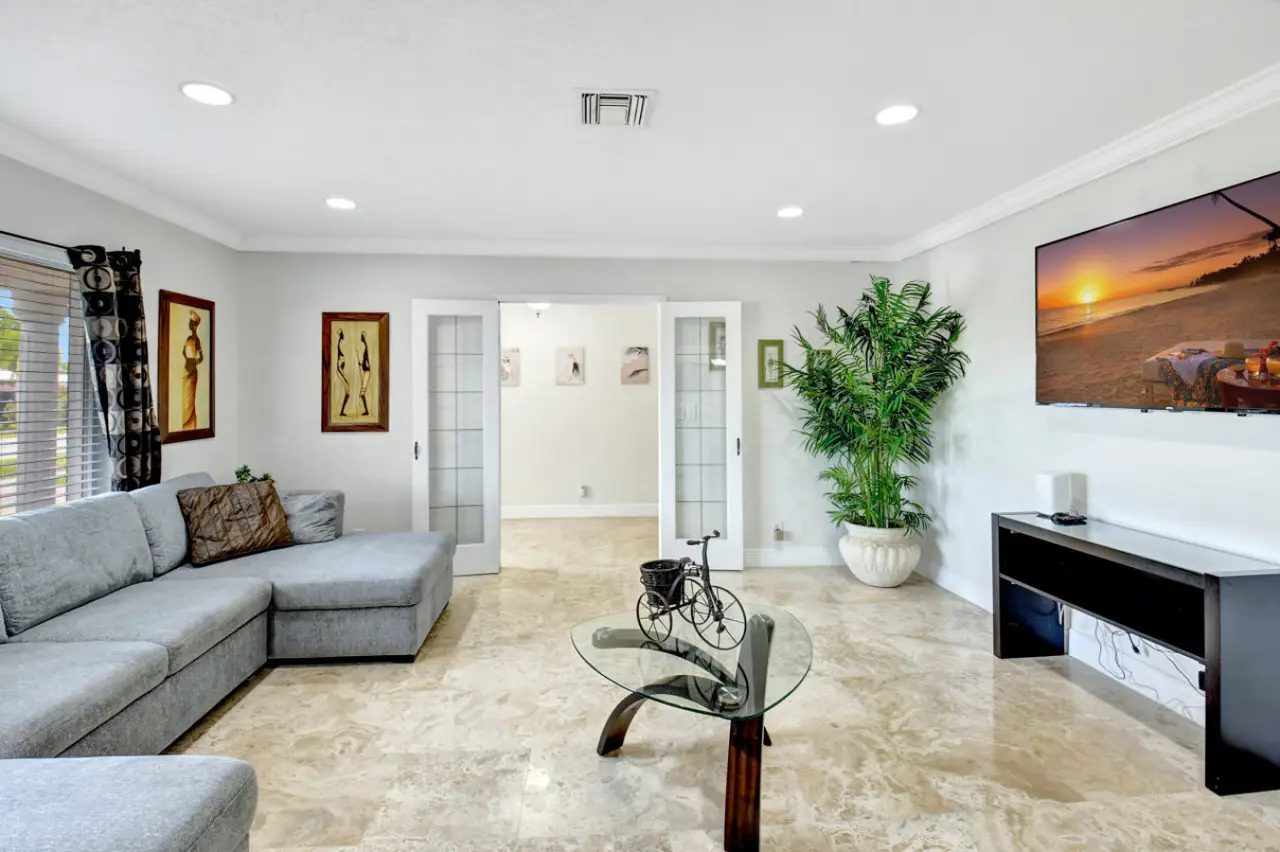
[(817, 355), (717, 345), (770, 361)]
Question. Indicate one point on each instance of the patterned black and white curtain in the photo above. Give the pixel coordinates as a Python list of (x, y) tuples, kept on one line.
[(114, 321)]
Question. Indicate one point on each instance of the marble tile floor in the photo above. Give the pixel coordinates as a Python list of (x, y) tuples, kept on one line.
[(907, 735)]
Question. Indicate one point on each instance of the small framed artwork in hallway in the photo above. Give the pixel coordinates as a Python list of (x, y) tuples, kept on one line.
[(635, 365), (457, 370)]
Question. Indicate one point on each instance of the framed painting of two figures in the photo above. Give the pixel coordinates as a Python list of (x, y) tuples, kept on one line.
[(355, 389)]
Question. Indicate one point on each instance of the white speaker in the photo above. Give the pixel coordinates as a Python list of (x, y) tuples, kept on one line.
[(1059, 492)]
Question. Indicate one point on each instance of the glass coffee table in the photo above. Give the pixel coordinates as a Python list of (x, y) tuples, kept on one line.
[(683, 671)]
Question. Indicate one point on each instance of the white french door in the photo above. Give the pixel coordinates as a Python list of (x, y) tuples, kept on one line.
[(456, 422), (700, 437)]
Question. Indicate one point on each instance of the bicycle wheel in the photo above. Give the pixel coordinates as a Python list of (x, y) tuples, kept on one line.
[(654, 616), (726, 621), (692, 613)]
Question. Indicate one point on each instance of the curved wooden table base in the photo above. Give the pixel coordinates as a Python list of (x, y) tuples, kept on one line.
[(607, 637), (614, 732), (747, 736), (742, 786), (690, 687)]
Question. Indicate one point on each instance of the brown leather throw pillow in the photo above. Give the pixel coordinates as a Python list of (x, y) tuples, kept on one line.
[(225, 521)]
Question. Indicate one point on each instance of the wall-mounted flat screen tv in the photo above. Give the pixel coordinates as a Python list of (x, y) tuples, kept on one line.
[(1177, 308)]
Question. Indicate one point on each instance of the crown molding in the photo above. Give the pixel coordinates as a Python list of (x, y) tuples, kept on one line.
[(547, 248), (1207, 114), (47, 157)]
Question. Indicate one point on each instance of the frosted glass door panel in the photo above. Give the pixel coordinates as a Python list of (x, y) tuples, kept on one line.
[(702, 449), (456, 453), (456, 425)]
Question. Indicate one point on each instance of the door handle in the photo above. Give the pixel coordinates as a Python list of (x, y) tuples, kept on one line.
[(415, 450), (739, 446)]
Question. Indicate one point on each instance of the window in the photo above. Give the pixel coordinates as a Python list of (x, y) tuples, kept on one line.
[(52, 447)]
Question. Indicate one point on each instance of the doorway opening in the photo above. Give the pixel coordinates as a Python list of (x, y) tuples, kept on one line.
[(579, 434), (574, 434)]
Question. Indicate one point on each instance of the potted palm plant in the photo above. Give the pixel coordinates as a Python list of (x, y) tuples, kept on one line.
[(868, 394)]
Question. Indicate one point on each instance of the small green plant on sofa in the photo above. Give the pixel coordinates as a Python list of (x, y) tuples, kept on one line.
[(243, 474)]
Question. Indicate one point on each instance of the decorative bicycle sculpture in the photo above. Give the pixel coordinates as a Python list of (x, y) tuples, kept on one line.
[(684, 586)]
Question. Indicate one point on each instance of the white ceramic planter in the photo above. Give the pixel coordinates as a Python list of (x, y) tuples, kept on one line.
[(879, 557)]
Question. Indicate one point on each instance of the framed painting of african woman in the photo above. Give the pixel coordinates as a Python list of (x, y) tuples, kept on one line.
[(186, 368), (355, 387)]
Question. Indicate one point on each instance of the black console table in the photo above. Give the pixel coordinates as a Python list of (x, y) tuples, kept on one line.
[(1218, 608)]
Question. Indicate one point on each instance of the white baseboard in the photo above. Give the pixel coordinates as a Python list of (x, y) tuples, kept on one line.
[(789, 557), (958, 584), (583, 510), (473, 573)]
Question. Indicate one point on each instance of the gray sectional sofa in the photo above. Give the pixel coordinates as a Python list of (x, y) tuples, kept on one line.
[(127, 804), (112, 645)]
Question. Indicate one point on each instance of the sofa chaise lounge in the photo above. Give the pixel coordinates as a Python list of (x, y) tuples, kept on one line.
[(112, 645)]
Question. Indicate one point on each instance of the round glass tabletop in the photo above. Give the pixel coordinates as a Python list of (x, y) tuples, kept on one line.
[(684, 670)]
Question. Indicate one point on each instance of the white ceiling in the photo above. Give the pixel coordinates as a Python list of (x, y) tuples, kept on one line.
[(454, 122)]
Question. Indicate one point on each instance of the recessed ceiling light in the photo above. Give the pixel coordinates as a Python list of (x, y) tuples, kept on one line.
[(898, 114), (790, 212), (340, 203), (208, 94), (539, 306)]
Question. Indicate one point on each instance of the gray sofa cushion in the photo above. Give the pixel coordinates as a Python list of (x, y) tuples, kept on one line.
[(162, 519), (184, 623), (53, 694), (314, 516), (355, 571), (55, 559), (127, 804), (156, 720)]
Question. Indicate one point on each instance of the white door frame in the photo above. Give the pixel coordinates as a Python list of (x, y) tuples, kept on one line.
[(580, 299), (726, 554), (485, 557)]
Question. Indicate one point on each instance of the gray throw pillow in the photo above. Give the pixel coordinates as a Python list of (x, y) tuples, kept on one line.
[(312, 516)]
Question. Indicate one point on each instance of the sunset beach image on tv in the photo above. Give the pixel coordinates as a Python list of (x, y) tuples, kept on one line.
[(1177, 308)]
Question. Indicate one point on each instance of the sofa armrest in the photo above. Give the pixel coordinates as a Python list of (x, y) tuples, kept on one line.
[(339, 496)]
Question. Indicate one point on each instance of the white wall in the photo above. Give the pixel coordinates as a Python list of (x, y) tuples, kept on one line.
[(286, 293), (602, 434), (36, 204), (1191, 476)]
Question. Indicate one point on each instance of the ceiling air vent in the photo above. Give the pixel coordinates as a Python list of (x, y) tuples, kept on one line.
[(616, 109)]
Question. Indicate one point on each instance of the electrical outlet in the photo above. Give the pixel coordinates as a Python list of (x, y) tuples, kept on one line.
[(779, 534), (584, 491)]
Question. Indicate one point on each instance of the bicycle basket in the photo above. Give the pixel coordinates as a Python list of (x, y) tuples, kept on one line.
[(660, 575)]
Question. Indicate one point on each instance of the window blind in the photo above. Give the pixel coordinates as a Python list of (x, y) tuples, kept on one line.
[(52, 446)]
